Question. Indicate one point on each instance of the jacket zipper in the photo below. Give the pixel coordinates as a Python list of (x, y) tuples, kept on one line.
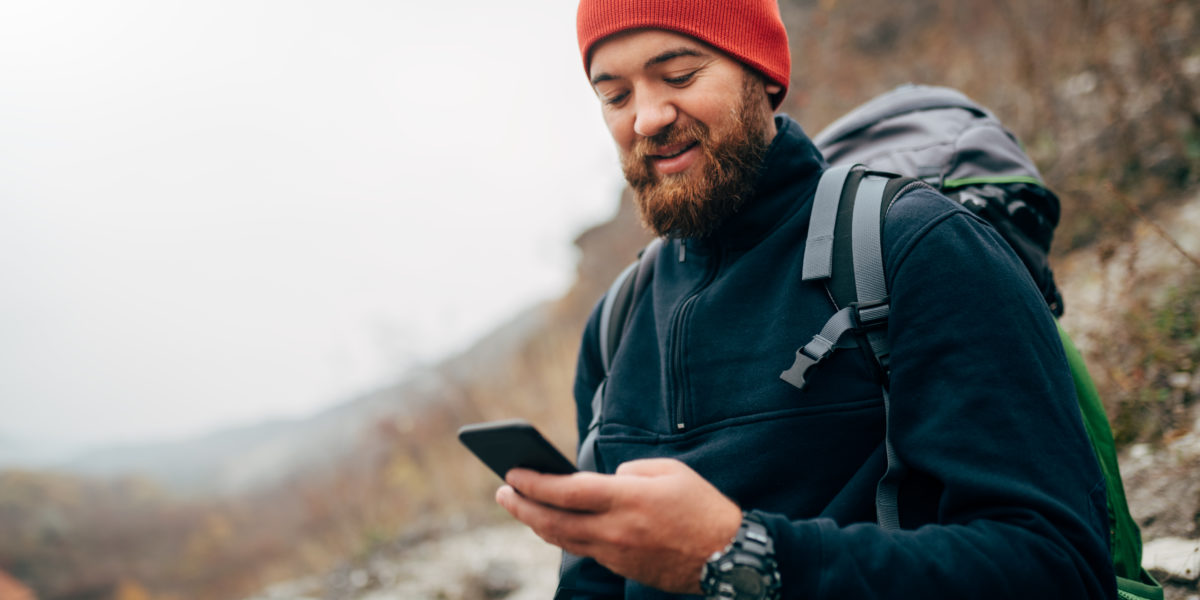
[(682, 316)]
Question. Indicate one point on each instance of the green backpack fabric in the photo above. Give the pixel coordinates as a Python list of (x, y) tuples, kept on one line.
[(1133, 581)]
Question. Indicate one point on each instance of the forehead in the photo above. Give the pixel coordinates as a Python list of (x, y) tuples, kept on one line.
[(636, 50)]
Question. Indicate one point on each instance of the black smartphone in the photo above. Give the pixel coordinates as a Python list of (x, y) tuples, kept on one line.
[(504, 445)]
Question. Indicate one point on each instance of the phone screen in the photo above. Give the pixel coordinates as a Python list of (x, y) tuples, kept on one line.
[(504, 445)]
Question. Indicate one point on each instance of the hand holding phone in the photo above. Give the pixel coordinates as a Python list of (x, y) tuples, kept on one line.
[(512, 443)]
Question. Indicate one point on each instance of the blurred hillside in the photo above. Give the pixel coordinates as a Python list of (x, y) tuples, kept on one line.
[(1103, 94)]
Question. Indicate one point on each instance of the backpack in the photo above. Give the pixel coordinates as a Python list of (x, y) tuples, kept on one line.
[(937, 137)]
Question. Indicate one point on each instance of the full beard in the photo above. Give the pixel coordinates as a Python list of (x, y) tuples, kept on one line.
[(695, 202)]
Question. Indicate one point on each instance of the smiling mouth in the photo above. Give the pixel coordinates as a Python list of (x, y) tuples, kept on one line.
[(676, 152)]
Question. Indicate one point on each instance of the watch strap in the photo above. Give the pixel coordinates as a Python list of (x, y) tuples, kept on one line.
[(750, 553)]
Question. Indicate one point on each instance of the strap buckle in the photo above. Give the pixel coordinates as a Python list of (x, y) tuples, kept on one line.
[(870, 325), (871, 314), (806, 357)]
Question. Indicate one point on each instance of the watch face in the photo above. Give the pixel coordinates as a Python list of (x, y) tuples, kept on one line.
[(747, 582), (745, 570)]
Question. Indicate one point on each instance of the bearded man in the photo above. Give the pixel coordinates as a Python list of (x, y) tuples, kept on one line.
[(717, 477)]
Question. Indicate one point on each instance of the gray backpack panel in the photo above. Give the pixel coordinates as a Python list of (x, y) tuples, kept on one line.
[(932, 133), (943, 138)]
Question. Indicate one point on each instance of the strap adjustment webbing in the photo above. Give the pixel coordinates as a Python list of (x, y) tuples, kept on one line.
[(870, 314), (858, 318), (832, 335)]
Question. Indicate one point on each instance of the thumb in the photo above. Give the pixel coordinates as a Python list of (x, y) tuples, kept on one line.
[(652, 467)]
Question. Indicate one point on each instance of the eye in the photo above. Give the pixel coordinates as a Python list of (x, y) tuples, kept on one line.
[(682, 79), (615, 99)]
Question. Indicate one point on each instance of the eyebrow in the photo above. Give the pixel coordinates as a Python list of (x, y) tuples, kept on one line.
[(658, 59)]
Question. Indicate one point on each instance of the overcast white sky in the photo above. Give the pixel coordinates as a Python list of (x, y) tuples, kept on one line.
[(215, 212)]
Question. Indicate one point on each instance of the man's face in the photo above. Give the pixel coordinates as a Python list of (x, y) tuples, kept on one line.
[(691, 124)]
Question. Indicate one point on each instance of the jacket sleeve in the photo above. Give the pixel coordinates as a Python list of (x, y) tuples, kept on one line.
[(583, 578), (982, 412)]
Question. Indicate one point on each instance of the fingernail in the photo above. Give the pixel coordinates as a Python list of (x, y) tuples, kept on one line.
[(512, 474)]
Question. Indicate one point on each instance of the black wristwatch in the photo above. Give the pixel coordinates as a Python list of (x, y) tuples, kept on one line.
[(746, 568)]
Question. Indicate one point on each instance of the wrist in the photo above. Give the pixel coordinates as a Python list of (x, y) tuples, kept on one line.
[(746, 569), (718, 533)]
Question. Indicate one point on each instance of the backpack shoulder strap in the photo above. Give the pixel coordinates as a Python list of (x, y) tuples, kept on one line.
[(846, 232), (615, 311), (619, 301), (818, 248), (844, 251)]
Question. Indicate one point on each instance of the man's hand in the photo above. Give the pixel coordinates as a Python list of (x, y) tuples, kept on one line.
[(655, 521)]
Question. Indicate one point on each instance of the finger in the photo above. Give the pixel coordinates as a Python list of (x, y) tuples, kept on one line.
[(582, 492), (571, 531), (503, 494)]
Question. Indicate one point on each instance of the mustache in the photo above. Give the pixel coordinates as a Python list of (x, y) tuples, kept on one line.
[(676, 133)]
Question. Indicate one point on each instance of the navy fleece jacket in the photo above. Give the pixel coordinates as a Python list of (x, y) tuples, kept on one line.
[(1002, 497)]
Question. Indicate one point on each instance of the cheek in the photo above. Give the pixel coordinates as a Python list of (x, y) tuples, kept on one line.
[(620, 127)]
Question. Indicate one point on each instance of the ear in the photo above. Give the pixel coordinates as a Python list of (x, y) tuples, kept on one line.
[(773, 88)]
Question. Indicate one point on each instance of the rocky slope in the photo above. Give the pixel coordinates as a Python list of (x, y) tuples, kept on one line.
[(499, 561)]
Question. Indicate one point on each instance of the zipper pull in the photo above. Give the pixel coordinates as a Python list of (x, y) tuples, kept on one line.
[(682, 251)]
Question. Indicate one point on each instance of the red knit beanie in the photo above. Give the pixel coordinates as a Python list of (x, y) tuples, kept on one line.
[(749, 30)]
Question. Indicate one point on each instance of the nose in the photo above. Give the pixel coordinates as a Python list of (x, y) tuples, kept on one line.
[(655, 112)]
